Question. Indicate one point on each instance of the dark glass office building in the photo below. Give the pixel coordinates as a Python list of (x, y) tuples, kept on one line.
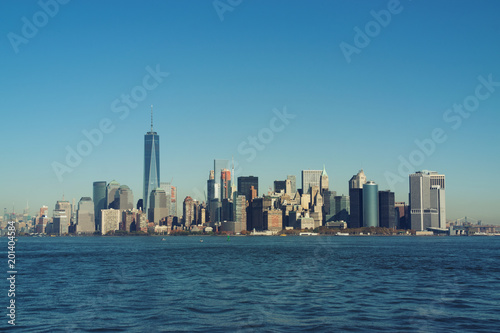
[(356, 206), (99, 198), (279, 185), (387, 210), (244, 184)]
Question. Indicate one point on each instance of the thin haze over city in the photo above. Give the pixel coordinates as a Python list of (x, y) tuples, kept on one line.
[(280, 86)]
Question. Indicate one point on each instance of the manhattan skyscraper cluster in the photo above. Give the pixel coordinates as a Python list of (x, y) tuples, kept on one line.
[(237, 206)]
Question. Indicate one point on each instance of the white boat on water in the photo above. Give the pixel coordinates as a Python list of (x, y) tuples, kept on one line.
[(342, 234), (308, 234)]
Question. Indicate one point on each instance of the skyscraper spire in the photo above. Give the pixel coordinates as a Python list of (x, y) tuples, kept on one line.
[(232, 168), (151, 118), (233, 180), (151, 164)]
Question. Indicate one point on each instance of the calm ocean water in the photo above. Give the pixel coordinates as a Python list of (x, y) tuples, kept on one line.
[(257, 284)]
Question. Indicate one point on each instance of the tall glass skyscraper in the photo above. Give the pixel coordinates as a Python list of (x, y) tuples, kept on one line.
[(99, 198), (151, 163), (85, 216)]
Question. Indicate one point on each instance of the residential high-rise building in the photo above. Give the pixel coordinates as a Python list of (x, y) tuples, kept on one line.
[(196, 212), (128, 220), (240, 213), (44, 211), (387, 210), (203, 215), (293, 183), (173, 200), (244, 185), (310, 178), (110, 220), (370, 205), (273, 220), (427, 200), (141, 221), (151, 163), (219, 165), (225, 183), (125, 198), (85, 221), (358, 180), (112, 195), (188, 211)]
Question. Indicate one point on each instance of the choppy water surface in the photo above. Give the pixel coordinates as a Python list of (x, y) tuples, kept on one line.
[(263, 284)]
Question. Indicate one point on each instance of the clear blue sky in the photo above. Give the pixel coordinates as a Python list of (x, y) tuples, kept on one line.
[(226, 77)]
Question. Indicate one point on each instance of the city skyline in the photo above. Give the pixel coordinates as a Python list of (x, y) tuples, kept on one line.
[(214, 95)]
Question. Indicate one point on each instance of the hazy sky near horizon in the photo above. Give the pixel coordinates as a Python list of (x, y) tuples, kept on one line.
[(360, 89)]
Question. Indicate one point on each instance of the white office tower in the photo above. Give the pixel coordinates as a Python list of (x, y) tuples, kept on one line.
[(427, 200)]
